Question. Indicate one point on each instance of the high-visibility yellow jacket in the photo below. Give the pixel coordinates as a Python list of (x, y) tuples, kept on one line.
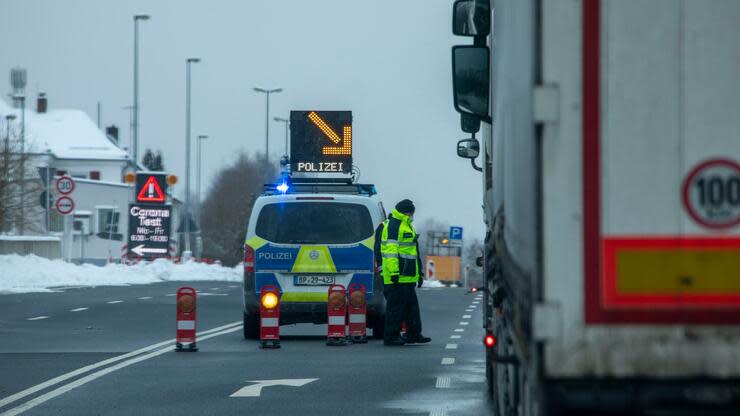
[(399, 250)]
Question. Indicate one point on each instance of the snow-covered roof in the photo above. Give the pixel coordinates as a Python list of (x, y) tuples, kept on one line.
[(67, 134)]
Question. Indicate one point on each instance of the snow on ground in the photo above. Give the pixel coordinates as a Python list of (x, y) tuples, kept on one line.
[(22, 274)]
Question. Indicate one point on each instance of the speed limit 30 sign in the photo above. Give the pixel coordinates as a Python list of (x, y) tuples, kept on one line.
[(65, 185), (711, 193)]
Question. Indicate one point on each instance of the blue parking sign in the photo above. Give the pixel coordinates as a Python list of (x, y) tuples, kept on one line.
[(456, 233)]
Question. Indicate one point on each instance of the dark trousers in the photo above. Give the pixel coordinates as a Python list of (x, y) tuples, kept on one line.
[(401, 305)]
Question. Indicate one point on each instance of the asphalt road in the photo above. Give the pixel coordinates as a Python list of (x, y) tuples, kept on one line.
[(116, 358)]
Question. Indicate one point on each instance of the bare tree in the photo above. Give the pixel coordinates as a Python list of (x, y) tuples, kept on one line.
[(14, 170), (228, 204)]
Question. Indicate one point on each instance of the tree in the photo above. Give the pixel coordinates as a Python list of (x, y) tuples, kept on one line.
[(228, 205), (15, 168), (148, 159), (157, 163)]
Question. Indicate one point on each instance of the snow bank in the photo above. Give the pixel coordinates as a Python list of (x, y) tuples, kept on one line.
[(433, 283), (21, 274)]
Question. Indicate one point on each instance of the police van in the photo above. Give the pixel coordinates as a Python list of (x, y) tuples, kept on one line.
[(305, 236)]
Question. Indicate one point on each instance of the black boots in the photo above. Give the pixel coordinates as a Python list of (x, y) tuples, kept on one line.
[(394, 342), (419, 339)]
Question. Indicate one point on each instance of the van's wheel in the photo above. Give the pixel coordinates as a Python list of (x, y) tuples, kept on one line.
[(251, 326), (379, 327)]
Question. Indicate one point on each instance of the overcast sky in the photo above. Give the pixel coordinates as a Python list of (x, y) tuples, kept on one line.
[(387, 61)]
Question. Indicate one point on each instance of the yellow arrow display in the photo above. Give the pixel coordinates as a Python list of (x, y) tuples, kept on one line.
[(345, 149)]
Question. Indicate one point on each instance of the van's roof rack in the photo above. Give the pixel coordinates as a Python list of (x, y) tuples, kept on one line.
[(321, 186)]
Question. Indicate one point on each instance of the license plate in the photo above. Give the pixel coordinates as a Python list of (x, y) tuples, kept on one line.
[(313, 280)]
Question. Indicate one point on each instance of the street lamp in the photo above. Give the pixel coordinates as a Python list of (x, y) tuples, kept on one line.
[(187, 152), (287, 129), (267, 116), (135, 118)]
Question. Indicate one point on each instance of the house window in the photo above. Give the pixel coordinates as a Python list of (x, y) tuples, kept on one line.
[(95, 175), (108, 223)]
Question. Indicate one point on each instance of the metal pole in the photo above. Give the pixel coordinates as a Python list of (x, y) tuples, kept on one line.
[(135, 118), (287, 128), (187, 152), (23, 167), (267, 127)]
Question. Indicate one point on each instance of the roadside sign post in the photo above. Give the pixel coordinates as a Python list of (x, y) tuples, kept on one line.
[(65, 205), (148, 231)]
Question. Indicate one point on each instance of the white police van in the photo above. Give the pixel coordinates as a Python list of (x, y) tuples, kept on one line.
[(305, 236)]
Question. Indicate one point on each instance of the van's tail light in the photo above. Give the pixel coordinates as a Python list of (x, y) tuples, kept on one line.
[(248, 259)]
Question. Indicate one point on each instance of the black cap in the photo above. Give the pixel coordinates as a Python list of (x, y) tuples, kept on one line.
[(405, 207)]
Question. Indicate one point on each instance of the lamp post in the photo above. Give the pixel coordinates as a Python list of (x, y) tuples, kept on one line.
[(267, 116), (287, 129), (186, 236), (135, 118)]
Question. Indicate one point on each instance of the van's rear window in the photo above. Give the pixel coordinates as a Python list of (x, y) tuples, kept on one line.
[(314, 223)]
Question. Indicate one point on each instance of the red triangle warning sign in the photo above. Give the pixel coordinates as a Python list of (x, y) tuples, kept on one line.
[(151, 191)]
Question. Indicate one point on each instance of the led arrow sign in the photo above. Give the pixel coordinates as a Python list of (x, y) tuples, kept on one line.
[(315, 145)]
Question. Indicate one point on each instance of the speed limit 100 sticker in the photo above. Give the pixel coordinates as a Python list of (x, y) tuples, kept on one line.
[(711, 193)]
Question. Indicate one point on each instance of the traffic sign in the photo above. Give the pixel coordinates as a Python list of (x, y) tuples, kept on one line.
[(65, 205), (149, 230), (456, 233), (65, 185), (321, 141), (151, 188), (711, 193)]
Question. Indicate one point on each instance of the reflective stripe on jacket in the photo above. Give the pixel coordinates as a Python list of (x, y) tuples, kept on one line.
[(399, 249)]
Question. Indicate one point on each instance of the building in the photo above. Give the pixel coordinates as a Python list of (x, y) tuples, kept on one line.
[(69, 143)]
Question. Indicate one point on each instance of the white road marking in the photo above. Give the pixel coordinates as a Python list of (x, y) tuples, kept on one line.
[(454, 336), (256, 389), (438, 412), (214, 288), (468, 310), (144, 297), (37, 318), (460, 330), (475, 302), (233, 286), (464, 322), (78, 309), (466, 316), (448, 361), (451, 346), (115, 301), (82, 370), (442, 383), (171, 294)]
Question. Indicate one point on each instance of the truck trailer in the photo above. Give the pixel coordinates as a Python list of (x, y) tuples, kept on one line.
[(610, 158)]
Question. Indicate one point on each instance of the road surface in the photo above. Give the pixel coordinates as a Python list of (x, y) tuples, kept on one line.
[(109, 350)]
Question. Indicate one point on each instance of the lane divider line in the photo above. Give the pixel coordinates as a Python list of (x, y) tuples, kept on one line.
[(466, 316), (37, 318), (78, 309), (443, 383), (438, 412), (114, 302), (100, 373), (448, 361), (460, 330), (82, 370), (454, 336), (144, 297), (464, 322), (451, 346)]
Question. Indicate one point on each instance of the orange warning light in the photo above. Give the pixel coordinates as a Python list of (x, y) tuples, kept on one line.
[(171, 180), (130, 177)]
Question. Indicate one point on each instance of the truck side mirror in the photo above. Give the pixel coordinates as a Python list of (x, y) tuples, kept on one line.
[(468, 148), (471, 18), (470, 82)]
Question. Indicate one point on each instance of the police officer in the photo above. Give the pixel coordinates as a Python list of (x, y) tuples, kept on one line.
[(401, 273)]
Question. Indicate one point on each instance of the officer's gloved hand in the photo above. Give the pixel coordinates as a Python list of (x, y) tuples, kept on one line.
[(420, 283), (394, 278)]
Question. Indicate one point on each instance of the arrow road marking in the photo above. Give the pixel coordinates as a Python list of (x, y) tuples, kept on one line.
[(141, 249), (256, 389)]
